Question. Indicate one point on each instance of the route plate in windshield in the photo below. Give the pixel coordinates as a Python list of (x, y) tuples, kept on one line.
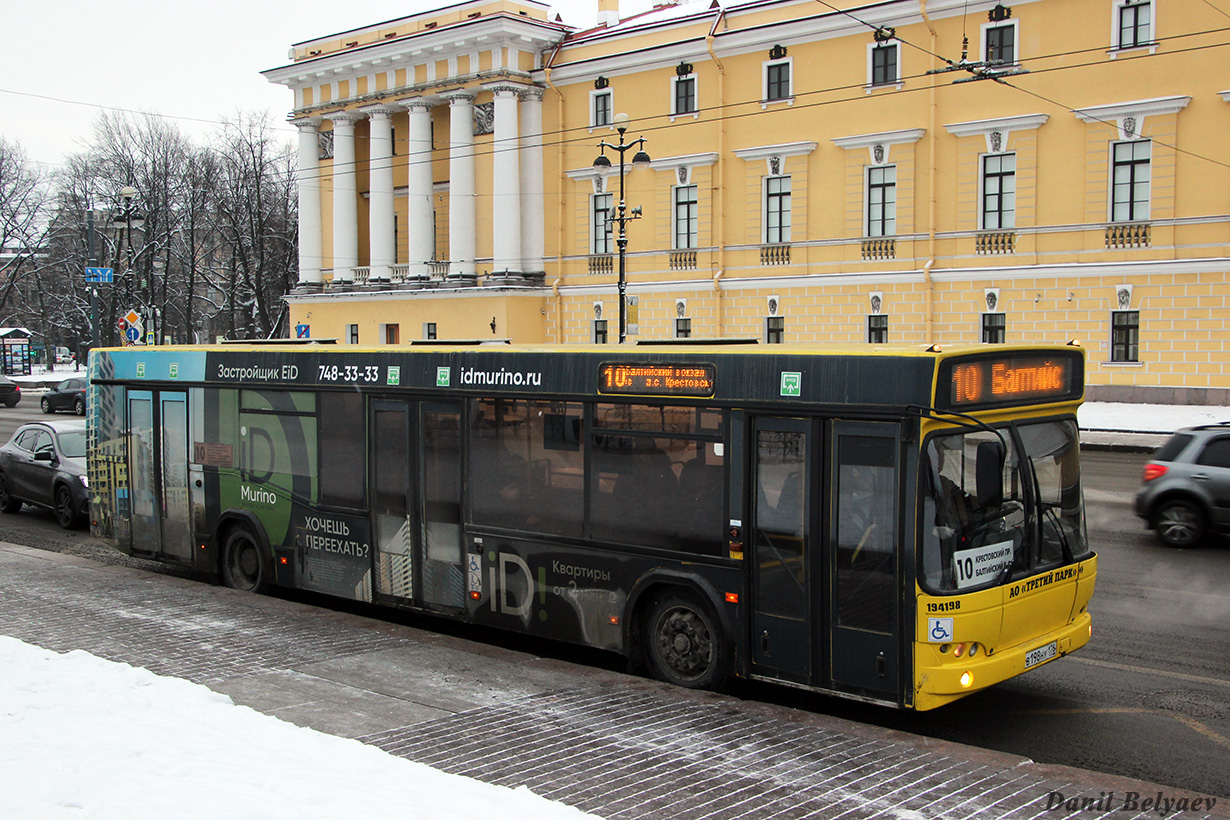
[(1042, 653)]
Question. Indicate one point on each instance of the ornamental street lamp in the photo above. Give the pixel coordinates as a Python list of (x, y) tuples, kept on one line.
[(129, 217), (640, 158)]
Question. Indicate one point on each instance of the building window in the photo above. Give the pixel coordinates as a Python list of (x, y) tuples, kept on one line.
[(774, 330), (684, 101), (352, 334), (683, 328), (600, 108), (877, 329), (1125, 336), (685, 217), (1135, 25), (1130, 185), (884, 64), (994, 328), (776, 210), (600, 333), (882, 200), (601, 235), (777, 80), (392, 335), (999, 43), (998, 192), (429, 330)]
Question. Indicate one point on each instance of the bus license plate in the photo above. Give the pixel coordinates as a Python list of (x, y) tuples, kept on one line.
[(1042, 653)]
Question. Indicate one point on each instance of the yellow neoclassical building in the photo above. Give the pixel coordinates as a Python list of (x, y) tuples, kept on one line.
[(906, 171)]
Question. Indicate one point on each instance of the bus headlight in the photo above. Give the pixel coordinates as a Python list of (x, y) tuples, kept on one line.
[(967, 679)]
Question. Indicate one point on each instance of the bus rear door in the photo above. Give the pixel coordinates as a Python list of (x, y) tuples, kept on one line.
[(158, 474)]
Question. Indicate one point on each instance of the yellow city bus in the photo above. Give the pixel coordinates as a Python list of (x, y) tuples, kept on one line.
[(901, 525)]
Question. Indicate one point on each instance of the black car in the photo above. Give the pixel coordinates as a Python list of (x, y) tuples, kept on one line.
[(10, 393), (67, 395), (43, 464)]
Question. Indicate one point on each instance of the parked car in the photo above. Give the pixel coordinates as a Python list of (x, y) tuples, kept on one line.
[(10, 392), (64, 356), (1185, 493), (67, 395), (43, 464)]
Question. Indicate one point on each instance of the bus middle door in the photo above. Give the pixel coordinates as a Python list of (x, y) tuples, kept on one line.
[(782, 557), (416, 503)]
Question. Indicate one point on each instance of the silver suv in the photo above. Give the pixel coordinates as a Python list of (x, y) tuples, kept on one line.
[(1186, 488)]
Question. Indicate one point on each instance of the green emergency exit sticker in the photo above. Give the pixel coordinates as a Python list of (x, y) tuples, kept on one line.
[(443, 376), (140, 370), (394, 376), (174, 370), (792, 384)]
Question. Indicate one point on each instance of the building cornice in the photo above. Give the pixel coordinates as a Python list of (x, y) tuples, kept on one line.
[(785, 149), (1136, 108), (857, 141), (975, 128), (482, 34)]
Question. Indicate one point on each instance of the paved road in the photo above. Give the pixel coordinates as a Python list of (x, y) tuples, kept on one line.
[(618, 746)]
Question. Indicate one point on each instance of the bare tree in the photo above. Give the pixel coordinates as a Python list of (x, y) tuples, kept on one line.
[(215, 252), (23, 205)]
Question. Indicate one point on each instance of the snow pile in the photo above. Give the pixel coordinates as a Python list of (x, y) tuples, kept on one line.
[(1147, 418), (81, 737)]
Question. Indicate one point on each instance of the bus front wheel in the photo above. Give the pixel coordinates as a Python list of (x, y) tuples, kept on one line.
[(683, 642), (244, 564)]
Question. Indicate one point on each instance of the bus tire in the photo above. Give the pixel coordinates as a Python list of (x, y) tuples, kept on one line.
[(684, 644), (244, 563)]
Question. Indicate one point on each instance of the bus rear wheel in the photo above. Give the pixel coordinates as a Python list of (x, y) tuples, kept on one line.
[(244, 564), (683, 643)]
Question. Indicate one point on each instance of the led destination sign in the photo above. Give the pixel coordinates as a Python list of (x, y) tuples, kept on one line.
[(657, 379), (1011, 380)]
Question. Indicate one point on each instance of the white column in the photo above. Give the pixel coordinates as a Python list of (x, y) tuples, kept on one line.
[(307, 177), (506, 202), (380, 202), (420, 212), (461, 191), (533, 218), (345, 198)]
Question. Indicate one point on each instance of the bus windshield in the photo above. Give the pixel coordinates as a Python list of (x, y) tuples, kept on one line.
[(984, 524)]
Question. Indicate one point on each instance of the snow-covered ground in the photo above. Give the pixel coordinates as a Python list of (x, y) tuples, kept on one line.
[(82, 737)]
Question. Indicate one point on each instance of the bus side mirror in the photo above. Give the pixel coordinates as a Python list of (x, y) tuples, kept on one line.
[(989, 474)]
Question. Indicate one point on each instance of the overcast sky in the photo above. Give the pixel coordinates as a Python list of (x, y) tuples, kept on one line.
[(196, 62)]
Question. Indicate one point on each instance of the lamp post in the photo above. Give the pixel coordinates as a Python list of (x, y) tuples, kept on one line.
[(640, 158), (129, 216)]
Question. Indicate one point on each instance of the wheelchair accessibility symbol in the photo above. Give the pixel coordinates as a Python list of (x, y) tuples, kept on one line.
[(939, 630)]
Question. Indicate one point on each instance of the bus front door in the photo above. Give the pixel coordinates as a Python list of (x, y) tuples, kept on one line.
[(158, 474), (782, 559), (864, 533)]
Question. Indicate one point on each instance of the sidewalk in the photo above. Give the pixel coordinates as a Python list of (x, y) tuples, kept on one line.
[(617, 746)]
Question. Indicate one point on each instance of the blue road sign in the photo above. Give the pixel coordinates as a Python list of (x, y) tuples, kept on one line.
[(302, 331), (100, 275), (132, 333)]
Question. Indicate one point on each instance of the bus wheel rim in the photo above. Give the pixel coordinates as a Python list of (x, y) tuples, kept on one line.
[(685, 643)]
